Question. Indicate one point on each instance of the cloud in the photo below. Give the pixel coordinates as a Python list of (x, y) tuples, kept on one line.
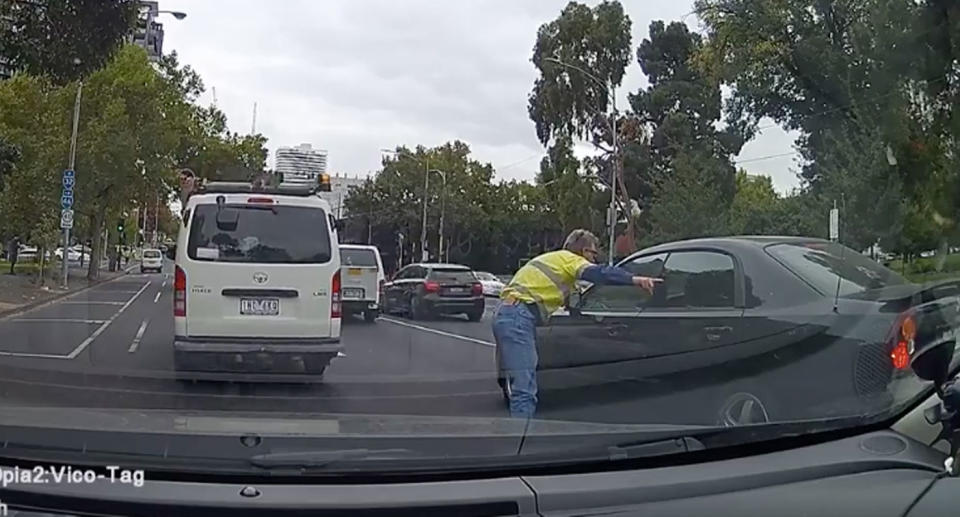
[(355, 76)]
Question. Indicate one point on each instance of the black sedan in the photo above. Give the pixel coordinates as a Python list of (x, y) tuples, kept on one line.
[(426, 290), (756, 328)]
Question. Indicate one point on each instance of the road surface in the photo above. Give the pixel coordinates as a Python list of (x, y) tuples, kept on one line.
[(111, 346)]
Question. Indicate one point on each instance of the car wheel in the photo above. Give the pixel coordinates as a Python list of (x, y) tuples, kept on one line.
[(370, 315), (142, 271), (475, 315), (416, 309)]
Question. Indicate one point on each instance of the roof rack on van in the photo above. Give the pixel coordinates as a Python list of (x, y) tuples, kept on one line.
[(240, 187)]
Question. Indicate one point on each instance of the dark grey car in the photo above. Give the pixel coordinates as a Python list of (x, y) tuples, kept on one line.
[(766, 328), (425, 290)]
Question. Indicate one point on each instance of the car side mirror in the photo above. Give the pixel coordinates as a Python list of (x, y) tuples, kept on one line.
[(933, 363)]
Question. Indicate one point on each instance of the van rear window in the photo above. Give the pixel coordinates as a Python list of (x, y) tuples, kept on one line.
[(357, 257), (263, 234), (150, 254)]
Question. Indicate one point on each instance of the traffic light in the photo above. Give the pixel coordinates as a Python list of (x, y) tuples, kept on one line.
[(120, 226)]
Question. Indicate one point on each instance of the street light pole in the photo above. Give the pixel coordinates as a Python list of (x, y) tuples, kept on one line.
[(615, 172), (65, 259), (443, 203)]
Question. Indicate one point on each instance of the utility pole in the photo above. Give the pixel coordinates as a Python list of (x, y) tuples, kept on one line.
[(614, 176), (73, 161), (423, 222), (443, 202)]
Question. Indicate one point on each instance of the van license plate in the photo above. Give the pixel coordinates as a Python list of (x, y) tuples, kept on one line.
[(354, 271), (260, 306), (353, 293)]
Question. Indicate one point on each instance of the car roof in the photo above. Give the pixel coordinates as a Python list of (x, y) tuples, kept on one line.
[(730, 244), (440, 265), (359, 247)]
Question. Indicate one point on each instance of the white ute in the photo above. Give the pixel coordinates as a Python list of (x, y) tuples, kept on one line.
[(257, 281)]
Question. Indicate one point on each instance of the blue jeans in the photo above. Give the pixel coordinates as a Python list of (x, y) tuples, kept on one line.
[(514, 328)]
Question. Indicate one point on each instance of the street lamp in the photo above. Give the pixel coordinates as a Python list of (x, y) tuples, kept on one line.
[(443, 203), (615, 173), (176, 14)]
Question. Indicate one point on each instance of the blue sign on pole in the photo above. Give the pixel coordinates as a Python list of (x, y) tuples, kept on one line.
[(68, 173), (66, 199), (69, 182)]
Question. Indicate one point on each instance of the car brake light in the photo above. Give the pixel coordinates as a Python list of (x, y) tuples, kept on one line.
[(179, 292), (477, 288), (260, 200), (335, 296), (431, 286), (382, 284), (903, 342)]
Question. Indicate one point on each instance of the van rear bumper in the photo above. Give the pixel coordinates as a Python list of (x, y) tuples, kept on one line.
[(254, 355)]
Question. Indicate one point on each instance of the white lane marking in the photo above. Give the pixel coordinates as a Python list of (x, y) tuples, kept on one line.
[(138, 337), (62, 299), (92, 302), (439, 332), (96, 333), (157, 297), (164, 283), (56, 320)]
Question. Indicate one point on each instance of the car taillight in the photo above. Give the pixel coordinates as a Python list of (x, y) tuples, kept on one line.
[(905, 333), (335, 296), (431, 286), (179, 292), (382, 284), (477, 289)]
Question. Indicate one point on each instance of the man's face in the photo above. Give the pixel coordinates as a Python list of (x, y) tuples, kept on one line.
[(591, 254)]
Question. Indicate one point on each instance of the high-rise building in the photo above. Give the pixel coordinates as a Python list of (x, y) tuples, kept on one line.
[(341, 186), (300, 164), (149, 33)]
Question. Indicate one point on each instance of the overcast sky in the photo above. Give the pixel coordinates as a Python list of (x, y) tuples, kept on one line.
[(355, 76)]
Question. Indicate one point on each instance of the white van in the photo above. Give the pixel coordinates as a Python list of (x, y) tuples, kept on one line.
[(257, 281), (362, 273), (150, 260)]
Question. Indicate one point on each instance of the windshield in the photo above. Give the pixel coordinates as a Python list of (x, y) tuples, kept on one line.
[(279, 234), (452, 275), (358, 257), (431, 220), (831, 267)]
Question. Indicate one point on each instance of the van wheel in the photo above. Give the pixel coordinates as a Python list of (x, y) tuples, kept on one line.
[(370, 315)]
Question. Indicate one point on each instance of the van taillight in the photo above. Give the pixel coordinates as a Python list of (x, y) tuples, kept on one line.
[(903, 342), (335, 296), (179, 293)]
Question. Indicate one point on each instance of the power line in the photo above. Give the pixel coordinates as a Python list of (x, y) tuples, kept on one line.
[(768, 157)]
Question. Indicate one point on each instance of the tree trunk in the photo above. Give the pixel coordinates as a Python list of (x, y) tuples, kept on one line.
[(96, 228)]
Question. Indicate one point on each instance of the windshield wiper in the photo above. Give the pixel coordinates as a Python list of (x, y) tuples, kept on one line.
[(322, 458)]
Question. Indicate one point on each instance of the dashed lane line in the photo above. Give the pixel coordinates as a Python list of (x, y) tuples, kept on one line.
[(157, 297), (96, 333), (138, 337), (438, 332)]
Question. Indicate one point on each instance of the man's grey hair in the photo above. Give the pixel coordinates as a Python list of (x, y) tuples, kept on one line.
[(578, 240)]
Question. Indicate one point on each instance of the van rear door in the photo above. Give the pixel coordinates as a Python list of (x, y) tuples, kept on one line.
[(360, 273), (260, 268)]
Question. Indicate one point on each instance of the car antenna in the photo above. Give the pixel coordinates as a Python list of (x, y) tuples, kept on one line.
[(836, 297)]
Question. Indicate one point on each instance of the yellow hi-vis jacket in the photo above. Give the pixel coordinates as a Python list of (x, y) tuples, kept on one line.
[(546, 280)]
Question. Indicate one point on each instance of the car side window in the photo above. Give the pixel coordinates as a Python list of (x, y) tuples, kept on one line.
[(417, 272), (696, 279), (403, 273), (625, 297)]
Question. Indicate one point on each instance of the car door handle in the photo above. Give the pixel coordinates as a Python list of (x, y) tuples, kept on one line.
[(715, 333)]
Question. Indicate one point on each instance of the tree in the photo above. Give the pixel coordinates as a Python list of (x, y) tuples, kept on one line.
[(9, 155), (676, 142), (569, 191), (64, 39)]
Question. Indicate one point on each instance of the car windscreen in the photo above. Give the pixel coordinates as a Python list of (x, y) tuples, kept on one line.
[(823, 264), (262, 234), (452, 275), (358, 257), (151, 254)]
